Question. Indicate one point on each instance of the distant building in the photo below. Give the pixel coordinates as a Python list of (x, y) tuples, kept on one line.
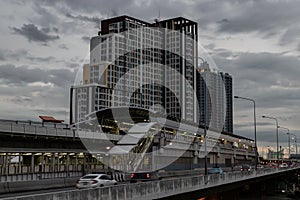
[(217, 87), (227, 80)]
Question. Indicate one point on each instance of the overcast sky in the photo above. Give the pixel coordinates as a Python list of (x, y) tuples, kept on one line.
[(44, 42)]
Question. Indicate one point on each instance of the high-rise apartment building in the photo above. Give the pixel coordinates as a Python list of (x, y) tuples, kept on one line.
[(214, 94), (135, 63), (227, 80)]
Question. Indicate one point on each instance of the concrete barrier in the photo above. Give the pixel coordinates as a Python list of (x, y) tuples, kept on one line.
[(154, 189), (21, 186)]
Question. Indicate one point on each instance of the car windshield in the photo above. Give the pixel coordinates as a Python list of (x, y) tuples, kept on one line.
[(214, 170), (89, 177)]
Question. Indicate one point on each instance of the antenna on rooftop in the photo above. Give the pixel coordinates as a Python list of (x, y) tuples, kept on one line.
[(159, 14), (158, 19)]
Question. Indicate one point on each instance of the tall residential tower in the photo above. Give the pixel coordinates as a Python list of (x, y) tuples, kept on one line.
[(135, 63)]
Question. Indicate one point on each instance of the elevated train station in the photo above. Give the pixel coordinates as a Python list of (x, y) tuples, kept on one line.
[(145, 141)]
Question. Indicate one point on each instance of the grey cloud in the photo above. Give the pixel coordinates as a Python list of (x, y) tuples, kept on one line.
[(33, 101), (15, 55), (46, 15), (231, 16), (33, 33), (85, 18), (265, 136), (20, 54), (272, 79), (86, 39), (20, 99), (250, 125), (63, 46), (260, 16), (290, 36), (13, 75), (41, 59), (88, 6)]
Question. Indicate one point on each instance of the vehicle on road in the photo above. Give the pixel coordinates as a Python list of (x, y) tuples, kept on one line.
[(216, 170), (283, 165), (144, 176), (95, 180), (260, 166), (246, 168)]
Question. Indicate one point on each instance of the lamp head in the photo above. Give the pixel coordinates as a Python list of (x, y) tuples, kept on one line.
[(236, 97)]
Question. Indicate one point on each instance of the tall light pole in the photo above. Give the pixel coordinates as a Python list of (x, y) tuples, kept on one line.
[(295, 142), (254, 118), (289, 138), (276, 137)]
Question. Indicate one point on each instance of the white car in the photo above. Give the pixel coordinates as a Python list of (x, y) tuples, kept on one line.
[(94, 180), (283, 165)]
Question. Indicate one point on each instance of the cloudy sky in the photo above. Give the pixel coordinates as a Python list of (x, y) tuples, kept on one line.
[(44, 42)]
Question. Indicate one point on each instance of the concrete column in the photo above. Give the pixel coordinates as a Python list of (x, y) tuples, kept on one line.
[(43, 163), (84, 164), (32, 166), (53, 164), (67, 164), (6, 165), (20, 163), (76, 162), (58, 164)]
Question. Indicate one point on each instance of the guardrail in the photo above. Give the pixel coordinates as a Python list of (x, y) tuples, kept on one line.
[(39, 176), (156, 189)]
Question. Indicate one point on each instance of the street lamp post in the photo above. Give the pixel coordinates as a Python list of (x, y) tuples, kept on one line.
[(295, 142), (254, 118), (276, 137), (289, 138)]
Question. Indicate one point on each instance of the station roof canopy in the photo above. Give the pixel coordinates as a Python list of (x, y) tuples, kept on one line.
[(50, 119)]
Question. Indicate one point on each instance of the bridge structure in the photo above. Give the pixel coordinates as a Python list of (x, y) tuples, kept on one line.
[(189, 187), (36, 150), (47, 154)]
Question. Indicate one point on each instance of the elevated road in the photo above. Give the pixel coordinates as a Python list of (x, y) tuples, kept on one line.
[(179, 188)]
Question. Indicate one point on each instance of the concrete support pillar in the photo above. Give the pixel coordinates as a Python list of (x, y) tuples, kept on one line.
[(67, 164), (43, 163), (6, 165), (84, 164), (32, 166), (20, 164), (195, 158), (58, 164), (76, 162), (53, 164), (32, 163)]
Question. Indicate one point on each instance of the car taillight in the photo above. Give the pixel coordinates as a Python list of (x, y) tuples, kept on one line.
[(148, 175), (94, 182), (77, 181), (241, 169), (132, 175)]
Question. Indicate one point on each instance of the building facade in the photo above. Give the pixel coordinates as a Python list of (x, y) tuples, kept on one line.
[(135, 63), (152, 65), (215, 98)]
